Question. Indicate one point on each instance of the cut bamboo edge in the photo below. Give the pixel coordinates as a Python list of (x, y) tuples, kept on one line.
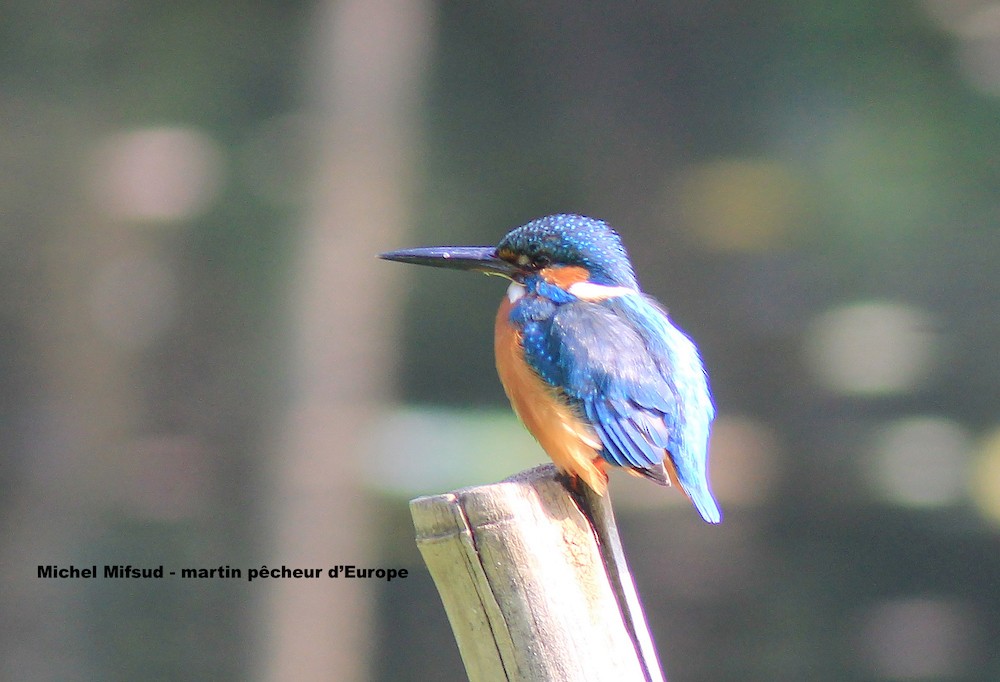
[(534, 581)]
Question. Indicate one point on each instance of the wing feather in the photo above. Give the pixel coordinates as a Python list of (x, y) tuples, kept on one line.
[(637, 380)]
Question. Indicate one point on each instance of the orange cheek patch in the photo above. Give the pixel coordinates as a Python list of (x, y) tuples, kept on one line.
[(565, 276)]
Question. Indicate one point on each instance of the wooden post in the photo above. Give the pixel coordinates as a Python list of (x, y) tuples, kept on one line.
[(534, 582)]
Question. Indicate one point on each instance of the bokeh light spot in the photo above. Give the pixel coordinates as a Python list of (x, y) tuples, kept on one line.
[(953, 15), (157, 174), (740, 205), (742, 459), (979, 58), (427, 450), (922, 461), (917, 638), (871, 348), (976, 25), (985, 486)]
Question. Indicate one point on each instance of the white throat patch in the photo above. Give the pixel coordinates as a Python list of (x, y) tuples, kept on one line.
[(588, 291), (514, 292)]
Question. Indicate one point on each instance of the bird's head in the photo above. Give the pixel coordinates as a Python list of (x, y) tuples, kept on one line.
[(584, 249)]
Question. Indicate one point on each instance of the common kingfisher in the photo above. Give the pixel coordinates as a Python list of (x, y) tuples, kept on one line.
[(592, 366)]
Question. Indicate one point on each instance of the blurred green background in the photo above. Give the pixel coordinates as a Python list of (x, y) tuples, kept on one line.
[(204, 365)]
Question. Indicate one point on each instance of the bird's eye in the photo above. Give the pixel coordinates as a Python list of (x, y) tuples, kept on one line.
[(542, 261)]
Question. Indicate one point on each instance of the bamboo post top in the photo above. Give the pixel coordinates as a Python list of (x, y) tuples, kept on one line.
[(533, 591)]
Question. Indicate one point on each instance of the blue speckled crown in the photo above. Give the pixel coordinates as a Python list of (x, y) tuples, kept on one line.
[(567, 239)]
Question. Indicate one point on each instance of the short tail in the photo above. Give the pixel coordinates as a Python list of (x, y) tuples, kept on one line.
[(705, 504), (698, 493), (701, 497)]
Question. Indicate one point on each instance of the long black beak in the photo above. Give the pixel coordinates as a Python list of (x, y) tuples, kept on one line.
[(477, 258)]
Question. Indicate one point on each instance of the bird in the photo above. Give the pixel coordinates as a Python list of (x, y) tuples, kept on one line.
[(593, 367)]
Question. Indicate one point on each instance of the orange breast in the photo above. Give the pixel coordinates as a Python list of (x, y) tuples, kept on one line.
[(570, 442)]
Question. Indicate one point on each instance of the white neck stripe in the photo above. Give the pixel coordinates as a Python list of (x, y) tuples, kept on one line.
[(589, 291)]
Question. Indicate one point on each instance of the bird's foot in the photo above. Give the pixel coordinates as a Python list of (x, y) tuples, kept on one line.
[(572, 483)]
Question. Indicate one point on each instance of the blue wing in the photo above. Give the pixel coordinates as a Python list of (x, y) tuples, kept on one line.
[(636, 378)]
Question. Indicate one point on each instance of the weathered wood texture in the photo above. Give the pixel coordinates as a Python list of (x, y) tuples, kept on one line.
[(533, 591)]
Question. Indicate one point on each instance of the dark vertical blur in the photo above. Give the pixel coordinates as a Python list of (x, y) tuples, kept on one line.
[(810, 187)]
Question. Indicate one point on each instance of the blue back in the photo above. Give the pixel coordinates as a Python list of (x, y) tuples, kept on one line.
[(633, 375)]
